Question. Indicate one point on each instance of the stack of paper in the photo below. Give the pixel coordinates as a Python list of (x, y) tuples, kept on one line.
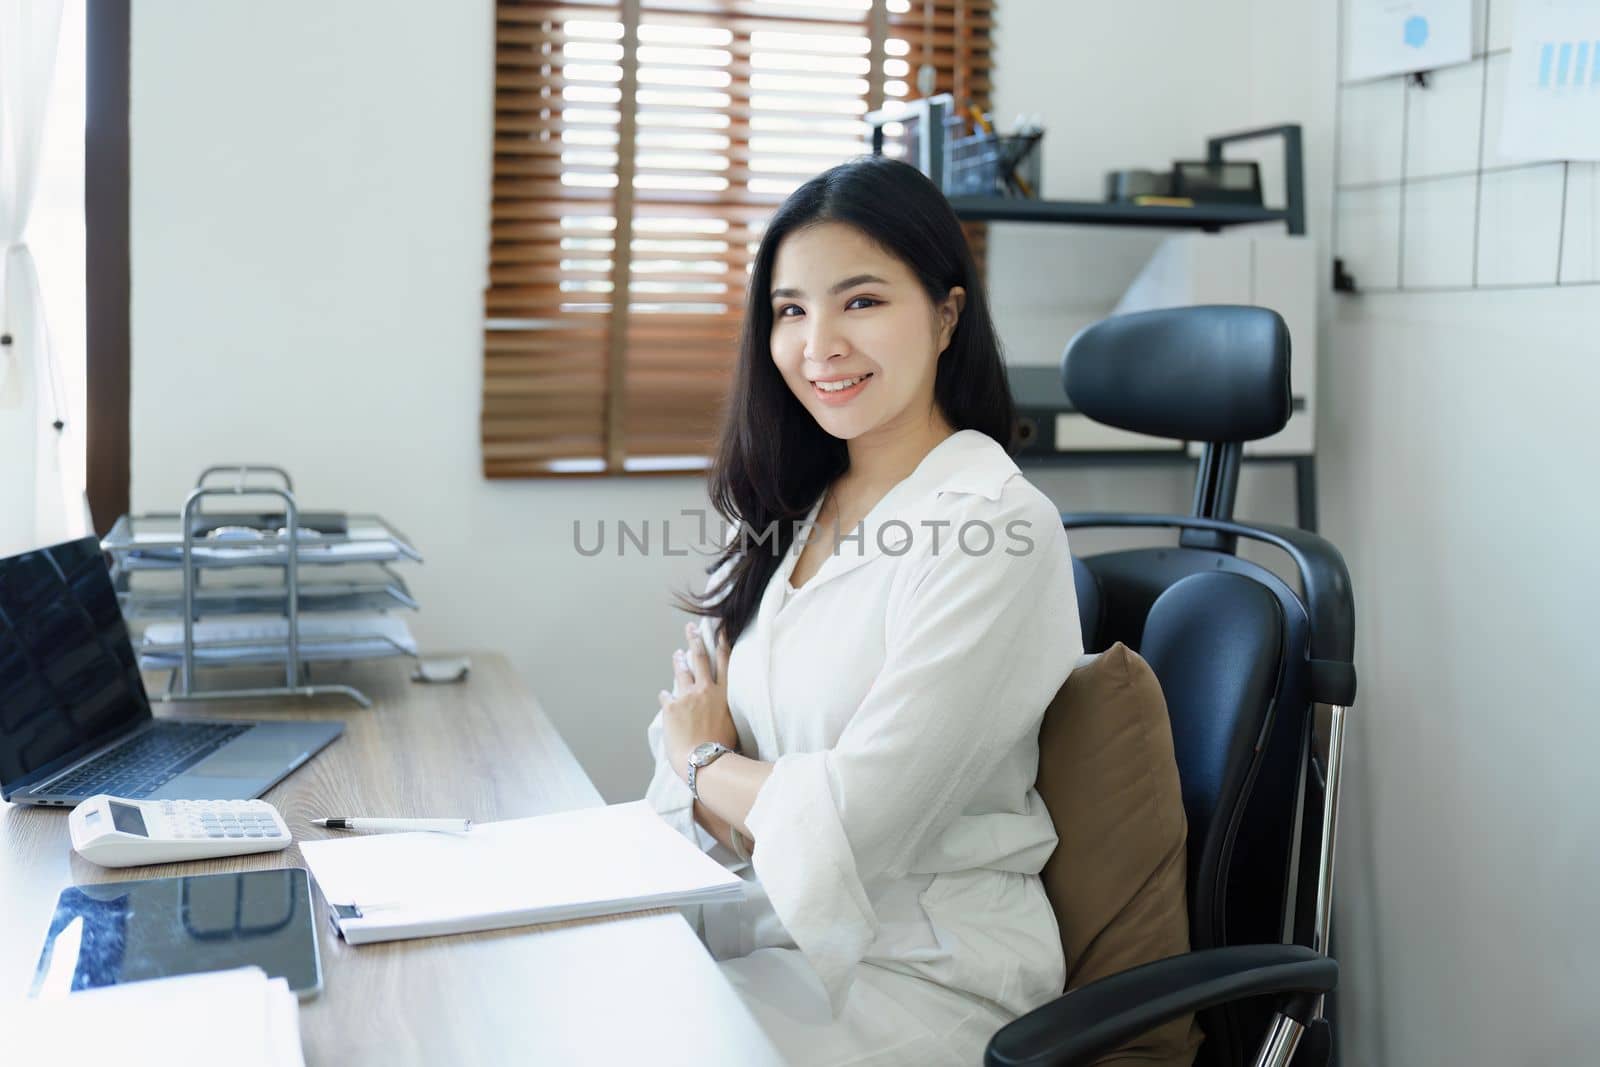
[(164, 556), (234, 641), (239, 1017), (598, 861)]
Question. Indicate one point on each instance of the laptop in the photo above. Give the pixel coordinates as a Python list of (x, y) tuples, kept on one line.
[(75, 718)]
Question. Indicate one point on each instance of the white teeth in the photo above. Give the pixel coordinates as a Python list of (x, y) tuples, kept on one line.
[(834, 387)]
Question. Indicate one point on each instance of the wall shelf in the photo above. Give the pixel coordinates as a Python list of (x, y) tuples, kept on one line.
[(1208, 217)]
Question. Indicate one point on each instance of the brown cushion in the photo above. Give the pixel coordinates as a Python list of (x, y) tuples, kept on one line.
[(1117, 879)]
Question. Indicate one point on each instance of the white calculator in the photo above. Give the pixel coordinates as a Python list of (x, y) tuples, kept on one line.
[(114, 832)]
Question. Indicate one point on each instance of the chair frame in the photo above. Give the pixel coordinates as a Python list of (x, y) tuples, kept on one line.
[(1112, 1011), (1218, 375)]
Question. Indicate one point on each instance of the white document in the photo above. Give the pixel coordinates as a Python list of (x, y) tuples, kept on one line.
[(156, 551), (596, 861), (1552, 104), (1399, 36), (240, 1017)]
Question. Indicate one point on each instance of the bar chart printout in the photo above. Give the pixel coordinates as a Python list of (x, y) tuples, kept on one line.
[(1552, 102)]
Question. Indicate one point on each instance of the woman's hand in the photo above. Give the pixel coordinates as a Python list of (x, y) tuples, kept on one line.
[(696, 710)]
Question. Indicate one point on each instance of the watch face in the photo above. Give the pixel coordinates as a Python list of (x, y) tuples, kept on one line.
[(703, 751)]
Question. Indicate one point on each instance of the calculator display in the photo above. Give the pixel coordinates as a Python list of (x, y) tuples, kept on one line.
[(128, 819)]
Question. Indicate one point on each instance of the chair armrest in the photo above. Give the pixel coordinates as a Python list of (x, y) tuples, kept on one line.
[(1090, 1021)]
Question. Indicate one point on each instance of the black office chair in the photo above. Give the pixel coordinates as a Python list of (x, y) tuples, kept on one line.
[(1243, 660)]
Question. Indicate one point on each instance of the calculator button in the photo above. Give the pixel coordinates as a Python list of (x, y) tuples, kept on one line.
[(213, 833)]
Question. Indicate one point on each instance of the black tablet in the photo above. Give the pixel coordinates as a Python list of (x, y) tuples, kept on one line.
[(129, 931)]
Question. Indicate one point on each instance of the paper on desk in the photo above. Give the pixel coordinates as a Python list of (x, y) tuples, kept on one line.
[(355, 551), (188, 1021), (597, 861), (232, 641)]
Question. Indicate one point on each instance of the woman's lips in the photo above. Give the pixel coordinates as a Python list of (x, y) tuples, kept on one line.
[(840, 396)]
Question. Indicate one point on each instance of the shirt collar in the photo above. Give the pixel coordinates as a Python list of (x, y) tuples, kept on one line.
[(968, 461)]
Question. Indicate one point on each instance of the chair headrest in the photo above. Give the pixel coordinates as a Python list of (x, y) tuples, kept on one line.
[(1206, 373)]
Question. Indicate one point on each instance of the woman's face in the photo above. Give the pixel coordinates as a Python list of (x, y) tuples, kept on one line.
[(853, 331)]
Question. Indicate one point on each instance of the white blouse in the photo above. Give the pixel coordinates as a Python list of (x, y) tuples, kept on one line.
[(899, 694)]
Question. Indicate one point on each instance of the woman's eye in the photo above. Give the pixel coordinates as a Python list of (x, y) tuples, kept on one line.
[(862, 302), (788, 311)]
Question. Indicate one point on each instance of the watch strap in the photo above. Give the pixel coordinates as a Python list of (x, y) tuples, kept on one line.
[(715, 752)]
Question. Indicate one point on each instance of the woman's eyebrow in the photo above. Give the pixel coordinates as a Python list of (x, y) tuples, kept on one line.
[(849, 283)]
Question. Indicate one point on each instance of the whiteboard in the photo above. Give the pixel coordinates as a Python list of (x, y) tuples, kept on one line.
[(1425, 199)]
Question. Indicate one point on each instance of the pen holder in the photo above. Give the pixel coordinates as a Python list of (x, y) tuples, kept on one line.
[(986, 164)]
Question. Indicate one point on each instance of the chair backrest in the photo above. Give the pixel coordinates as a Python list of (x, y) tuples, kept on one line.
[(1218, 639), (1239, 653)]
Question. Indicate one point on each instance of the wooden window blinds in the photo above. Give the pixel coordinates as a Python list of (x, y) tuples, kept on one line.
[(639, 147)]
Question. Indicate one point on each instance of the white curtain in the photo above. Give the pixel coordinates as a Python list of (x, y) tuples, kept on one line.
[(29, 388)]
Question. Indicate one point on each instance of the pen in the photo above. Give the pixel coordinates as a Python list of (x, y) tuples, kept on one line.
[(440, 825)]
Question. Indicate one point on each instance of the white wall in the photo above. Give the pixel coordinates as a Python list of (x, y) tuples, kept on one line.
[(1462, 455)]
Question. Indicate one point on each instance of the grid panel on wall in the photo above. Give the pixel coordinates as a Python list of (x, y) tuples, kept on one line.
[(1423, 200)]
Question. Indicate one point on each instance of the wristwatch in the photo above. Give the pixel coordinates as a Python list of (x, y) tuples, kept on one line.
[(704, 754)]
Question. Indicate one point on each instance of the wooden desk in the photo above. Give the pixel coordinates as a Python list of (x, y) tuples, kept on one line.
[(634, 989)]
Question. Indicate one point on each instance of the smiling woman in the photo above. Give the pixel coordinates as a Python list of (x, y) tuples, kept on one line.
[(859, 738), (863, 272), (875, 326)]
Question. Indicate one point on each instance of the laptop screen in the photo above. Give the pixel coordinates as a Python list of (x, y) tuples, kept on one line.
[(69, 681)]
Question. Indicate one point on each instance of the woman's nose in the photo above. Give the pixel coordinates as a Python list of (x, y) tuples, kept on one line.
[(825, 341)]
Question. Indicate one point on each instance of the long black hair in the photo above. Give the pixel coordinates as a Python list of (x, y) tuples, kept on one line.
[(773, 460)]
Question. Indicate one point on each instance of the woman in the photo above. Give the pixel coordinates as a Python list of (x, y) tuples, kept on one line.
[(893, 617)]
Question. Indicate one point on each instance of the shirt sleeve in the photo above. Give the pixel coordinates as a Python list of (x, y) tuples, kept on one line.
[(980, 647), (671, 799)]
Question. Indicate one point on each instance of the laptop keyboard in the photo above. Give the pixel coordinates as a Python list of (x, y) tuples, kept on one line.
[(148, 762)]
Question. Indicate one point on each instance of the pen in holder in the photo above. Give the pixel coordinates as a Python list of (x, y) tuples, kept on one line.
[(928, 133)]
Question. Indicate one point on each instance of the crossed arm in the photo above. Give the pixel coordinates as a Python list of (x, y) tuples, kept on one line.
[(697, 711)]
